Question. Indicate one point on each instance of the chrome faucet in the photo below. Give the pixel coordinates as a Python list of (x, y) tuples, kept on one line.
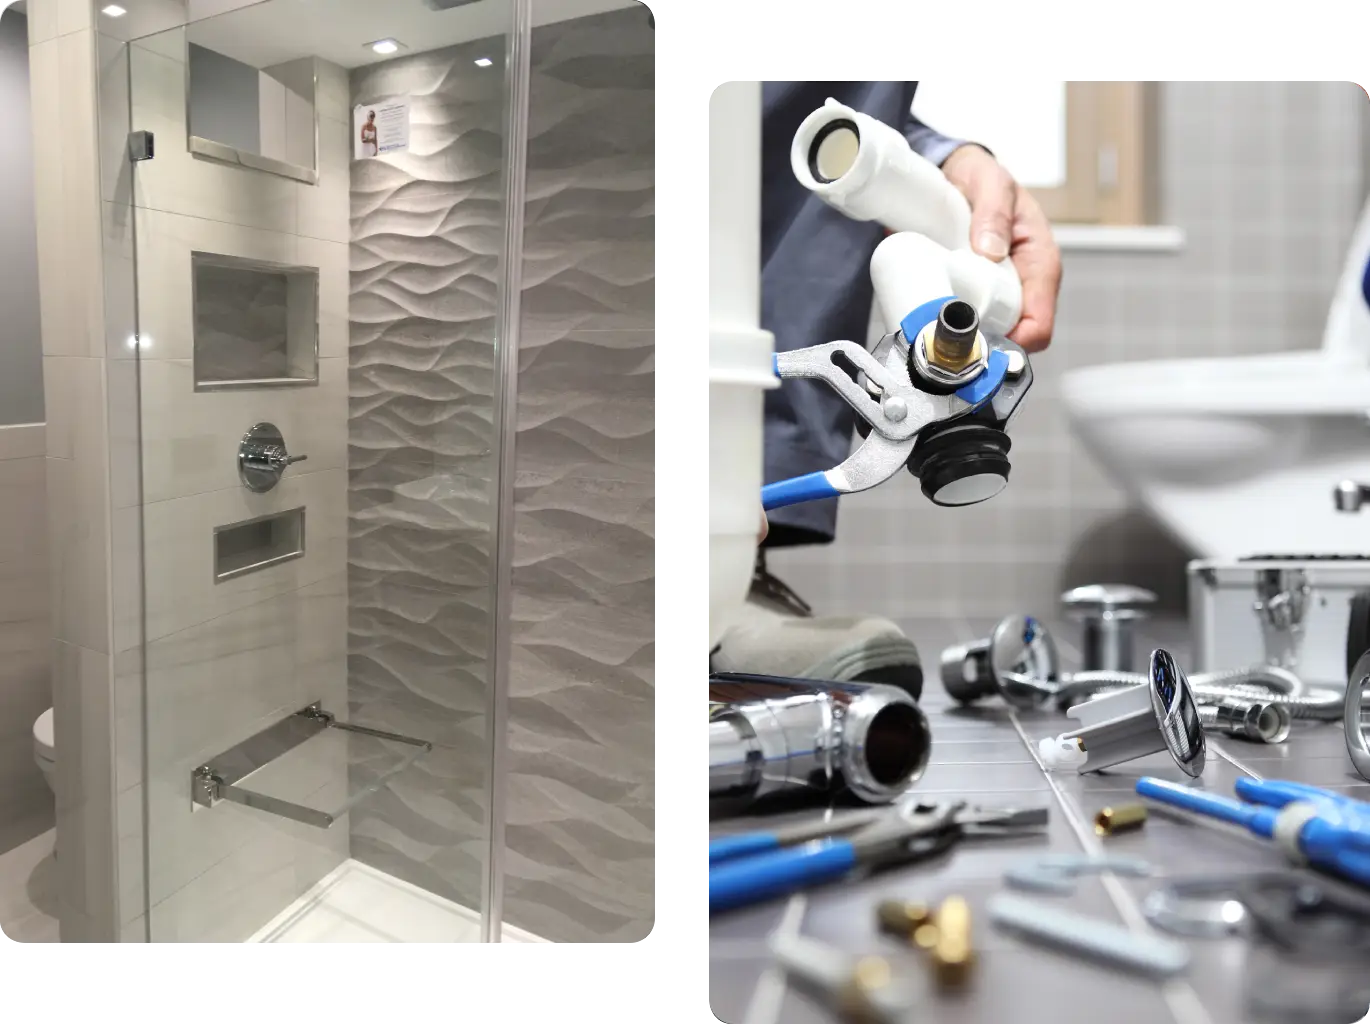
[(262, 457), (1349, 495)]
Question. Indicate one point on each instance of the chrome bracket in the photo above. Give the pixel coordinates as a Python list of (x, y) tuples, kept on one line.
[(221, 778)]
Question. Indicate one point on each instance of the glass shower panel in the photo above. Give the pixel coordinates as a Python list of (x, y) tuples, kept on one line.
[(319, 235)]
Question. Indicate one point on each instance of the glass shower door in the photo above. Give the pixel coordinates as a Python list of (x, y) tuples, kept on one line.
[(323, 275)]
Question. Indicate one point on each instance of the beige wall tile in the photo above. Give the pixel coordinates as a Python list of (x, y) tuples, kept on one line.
[(179, 538), (116, 172), (42, 17), (121, 294), (334, 286), (324, 209), (191, 439), (74, 399), (73, 15), (131, 877), (66, 191), (78, 503), (82, 686), (165, 243), (22, 441), (23, 514)]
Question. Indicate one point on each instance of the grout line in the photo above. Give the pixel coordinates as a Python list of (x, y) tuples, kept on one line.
[(1222, 752), (1184, 1004), (769, 993)]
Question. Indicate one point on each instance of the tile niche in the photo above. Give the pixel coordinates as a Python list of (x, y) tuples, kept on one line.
[(256, 323)]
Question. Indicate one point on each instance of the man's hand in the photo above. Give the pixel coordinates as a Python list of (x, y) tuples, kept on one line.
[(1006, 221)]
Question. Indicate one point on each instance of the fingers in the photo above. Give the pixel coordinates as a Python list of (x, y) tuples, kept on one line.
[(992, 194), (1037, 259), (765, 527)]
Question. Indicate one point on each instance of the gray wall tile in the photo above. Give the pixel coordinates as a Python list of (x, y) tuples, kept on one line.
[(581, 808)]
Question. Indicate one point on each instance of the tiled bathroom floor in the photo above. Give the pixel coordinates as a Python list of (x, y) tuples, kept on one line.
[(28, 891), (357, 903), (986, 754)]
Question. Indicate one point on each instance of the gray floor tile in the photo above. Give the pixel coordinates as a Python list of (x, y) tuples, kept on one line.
[(979, 755)]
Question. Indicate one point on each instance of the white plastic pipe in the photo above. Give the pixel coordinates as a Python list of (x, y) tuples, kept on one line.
[(740, 352), (865, 169)]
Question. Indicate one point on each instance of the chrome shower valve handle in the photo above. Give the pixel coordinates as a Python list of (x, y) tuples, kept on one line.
[(262, 457), (898, 409)]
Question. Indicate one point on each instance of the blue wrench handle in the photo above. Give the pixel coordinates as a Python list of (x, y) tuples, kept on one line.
[(744, 844), (752, 879)]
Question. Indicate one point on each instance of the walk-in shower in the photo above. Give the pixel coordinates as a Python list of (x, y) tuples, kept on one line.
[(377, 375)]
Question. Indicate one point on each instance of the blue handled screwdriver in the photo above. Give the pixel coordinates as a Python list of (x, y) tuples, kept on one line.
[(1328, 830)]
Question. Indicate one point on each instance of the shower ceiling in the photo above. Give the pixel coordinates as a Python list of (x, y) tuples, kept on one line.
[(271, 33)]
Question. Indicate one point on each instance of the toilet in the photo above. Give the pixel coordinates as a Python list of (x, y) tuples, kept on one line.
[(1239, 456), (44, 750)]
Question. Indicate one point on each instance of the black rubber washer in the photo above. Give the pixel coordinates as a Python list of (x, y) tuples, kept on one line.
[(1357, 629), (822, 134), (956, 452)]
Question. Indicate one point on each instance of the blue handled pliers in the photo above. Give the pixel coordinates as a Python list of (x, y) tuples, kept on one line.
[(754, 866), (887, 399)]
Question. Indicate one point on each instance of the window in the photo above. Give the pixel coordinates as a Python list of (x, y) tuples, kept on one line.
[(1084, 149)]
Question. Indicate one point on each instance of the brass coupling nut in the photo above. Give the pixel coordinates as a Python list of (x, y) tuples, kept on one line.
[(946, 362)]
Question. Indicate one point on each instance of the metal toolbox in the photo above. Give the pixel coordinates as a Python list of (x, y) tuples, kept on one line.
[(1229, 620)]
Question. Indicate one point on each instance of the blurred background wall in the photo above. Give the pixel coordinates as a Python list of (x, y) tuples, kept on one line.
[(1266, 179)]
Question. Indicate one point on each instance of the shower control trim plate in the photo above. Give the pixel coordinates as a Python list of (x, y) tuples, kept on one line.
[(221, 777), (262, 457)]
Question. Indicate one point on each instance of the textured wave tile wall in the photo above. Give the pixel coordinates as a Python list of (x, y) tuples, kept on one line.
[(581, 811), (426, 229)]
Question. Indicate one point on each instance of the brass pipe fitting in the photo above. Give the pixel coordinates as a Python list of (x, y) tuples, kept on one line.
[(952, 955), (955, 337), (1119, 819)]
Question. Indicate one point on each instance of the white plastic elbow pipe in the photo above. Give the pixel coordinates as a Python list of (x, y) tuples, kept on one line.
[(865, 169)]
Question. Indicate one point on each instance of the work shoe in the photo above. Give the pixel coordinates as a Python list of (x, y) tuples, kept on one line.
[(777, 634)]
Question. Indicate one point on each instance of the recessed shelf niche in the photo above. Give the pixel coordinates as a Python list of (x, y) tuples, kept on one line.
[(256, 323), (254, 544)]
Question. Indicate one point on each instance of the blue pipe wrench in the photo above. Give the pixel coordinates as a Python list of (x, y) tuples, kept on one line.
[(888, 400)]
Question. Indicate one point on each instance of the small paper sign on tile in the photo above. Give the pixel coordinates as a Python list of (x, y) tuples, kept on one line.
[(380, 128)]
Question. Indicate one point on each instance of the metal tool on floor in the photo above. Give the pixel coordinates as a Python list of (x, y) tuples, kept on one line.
[(943, 933), (1134, 723), (1255, 720), (1104, 941), (1201, 908), (862, 990), (1293, 910), (1018, 661), (1310, 825), (1058, 873), (758, 869), (1108, 613), (1354, 714), (769, 734)]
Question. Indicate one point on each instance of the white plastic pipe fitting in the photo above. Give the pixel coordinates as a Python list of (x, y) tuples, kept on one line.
[(865, 169)]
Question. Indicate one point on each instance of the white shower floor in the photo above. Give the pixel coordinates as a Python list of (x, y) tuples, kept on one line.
[(357, 903)]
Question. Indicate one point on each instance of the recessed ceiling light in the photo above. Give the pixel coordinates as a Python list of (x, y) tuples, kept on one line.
[(483, 62), (386, 45), (113, 11)]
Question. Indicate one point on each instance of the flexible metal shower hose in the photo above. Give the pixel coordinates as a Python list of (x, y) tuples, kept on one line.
[(1268, 683)]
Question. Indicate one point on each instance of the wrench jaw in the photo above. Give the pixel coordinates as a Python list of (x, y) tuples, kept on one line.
[(880, 389)]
